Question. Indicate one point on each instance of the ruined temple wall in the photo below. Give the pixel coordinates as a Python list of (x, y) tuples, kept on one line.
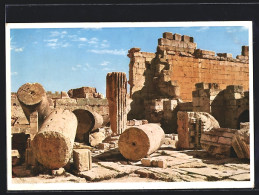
[(178, 58), (190, 70), (20, 123), (137, 67)]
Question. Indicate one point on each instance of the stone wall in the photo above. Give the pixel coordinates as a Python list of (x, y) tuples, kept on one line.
[(84, 92), (229, 106), (171, 74), (20, 124), (177, 59)]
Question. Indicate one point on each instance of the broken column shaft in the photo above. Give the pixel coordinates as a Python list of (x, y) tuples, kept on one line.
[(116, 91), (53, 144), (32, 97), (139, 141), (87, 121)]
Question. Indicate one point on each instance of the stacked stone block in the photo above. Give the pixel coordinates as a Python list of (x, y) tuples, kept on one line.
[(218, 141), (154, 110), (241, 141), (191, 125), (176, 43), (203, 96), (138, 62), (234, 102), (185, 106), (205, 54), (84, 92), (135, 122), (169, 123), (116, 91), (55, 95), (21, 124), (189, 65)]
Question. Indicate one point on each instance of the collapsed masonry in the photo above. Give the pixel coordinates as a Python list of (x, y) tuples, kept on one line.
[(205, 115)]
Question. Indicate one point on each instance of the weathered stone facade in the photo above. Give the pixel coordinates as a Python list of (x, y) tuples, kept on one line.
[(20, 123), (218, 141), (175, 68), (191, 125), (229, 106)]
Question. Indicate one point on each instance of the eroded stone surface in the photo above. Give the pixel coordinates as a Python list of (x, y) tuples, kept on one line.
[(182, 166)]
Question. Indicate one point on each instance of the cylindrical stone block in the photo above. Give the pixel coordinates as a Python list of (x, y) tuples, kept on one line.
[(87, 121), (137, 142), (53, 144), (32, 97)]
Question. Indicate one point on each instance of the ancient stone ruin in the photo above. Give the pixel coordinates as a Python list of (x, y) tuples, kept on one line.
[(186, 107)]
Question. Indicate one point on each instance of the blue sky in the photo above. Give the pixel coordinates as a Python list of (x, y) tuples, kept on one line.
[(65, 58)]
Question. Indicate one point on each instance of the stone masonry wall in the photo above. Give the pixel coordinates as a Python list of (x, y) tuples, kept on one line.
[(177, 59), (229, 106), (20, 123)]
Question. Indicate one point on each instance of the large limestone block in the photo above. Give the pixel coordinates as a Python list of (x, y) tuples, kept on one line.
[(53, 144), (82, 159), (218, 141), (241, 143), (137, 142), (190, 127)]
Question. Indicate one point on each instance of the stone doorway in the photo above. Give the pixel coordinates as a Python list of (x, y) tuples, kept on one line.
[(243, 117)]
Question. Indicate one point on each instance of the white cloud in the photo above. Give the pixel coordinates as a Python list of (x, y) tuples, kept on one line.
[(104, 63), (104, 44), (204, 28), (54, 43), (107, 51), (81, 45), (93, 41), (82, 39), (20, 49), (58, 34), (51, 40), (14, 73), (80, 67), (93, 29), (64, 44), (230, 30)]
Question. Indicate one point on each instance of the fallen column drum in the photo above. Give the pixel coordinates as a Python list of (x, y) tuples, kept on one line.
[(87, 121), (53, 144), (139, 141), (32, 97)]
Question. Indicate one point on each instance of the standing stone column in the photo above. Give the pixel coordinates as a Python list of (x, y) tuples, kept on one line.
[(32, 97), (116, 91)]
